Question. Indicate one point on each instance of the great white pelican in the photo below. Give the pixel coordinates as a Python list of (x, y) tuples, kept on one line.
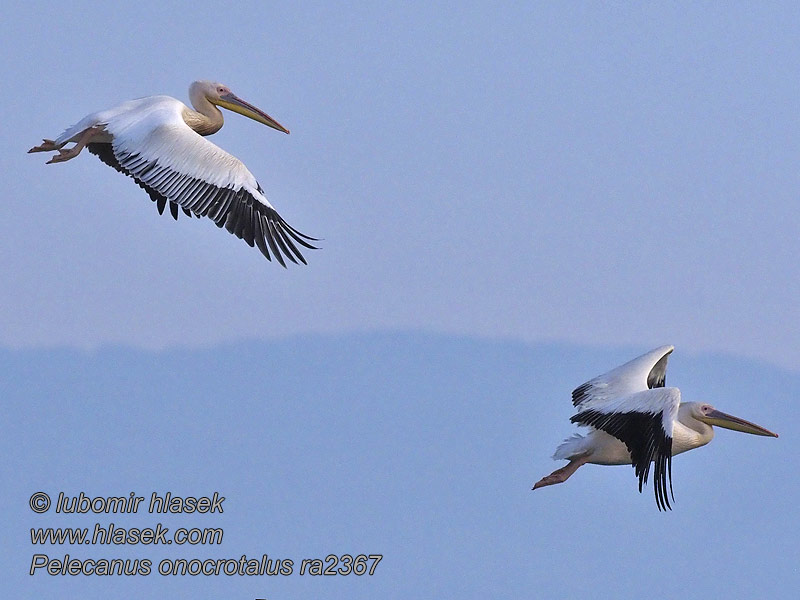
[(635, 420), (159, 142)]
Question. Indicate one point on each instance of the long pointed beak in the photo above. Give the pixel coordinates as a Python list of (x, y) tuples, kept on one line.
[(233, 102), (721, 419)]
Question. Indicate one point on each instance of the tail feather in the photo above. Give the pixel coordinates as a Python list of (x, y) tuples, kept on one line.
[(570, 448), (71, 133)]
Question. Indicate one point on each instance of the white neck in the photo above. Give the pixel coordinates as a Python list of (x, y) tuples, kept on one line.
[(689, 433)]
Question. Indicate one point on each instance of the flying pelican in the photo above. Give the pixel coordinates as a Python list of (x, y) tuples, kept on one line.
[(159, 142), (635, 420)]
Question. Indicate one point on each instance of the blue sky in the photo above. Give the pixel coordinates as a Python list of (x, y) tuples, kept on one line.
[(599, 174), (512, 199), (420, 448)]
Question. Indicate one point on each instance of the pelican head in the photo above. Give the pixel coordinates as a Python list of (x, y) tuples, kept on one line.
[(711, 416), (221, 95)]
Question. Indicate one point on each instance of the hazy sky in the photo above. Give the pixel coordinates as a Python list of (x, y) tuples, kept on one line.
[(590, 179), (420, 448), (606, 174)]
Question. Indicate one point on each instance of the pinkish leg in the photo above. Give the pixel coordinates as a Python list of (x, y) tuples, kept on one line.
[(64, 155), (562, 474), (47, 146)]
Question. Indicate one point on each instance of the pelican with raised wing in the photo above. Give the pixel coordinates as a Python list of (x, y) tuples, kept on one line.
[(158, 141), (636, 420)]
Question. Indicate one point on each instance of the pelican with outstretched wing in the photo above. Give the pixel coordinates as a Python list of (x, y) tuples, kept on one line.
[(635, 419), (159, 142)]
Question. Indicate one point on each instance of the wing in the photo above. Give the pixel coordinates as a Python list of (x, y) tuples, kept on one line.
[(176, 165), (643, 422), (105, 153), (643, 373)]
